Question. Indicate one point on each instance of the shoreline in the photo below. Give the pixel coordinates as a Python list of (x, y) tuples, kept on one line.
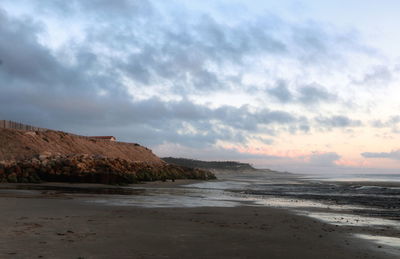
[(55, 223), (57, 227)]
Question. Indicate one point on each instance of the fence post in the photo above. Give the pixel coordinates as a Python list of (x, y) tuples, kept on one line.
[(6, 124)]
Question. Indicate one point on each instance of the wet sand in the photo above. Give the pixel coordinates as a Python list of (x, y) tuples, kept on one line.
[(51, 224)]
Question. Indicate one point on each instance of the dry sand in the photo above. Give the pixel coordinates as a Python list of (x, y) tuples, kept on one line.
[(51, 225)]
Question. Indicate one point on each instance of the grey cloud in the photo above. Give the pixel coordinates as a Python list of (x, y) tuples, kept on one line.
[(312, 42), (23, 58), (267, 34), (378, 124), (391, 155), (324, 159), (281, 92), (240, 118), (305, 128), (317, 162), (117, 9), (264, 140), (379, 75), (339, 121), (391, 122), (211, 154), (281, 117), (243, 118), (301, 127), (306, 95), (316, 44), (314, 94), (183, 53), (233, 43), (187, 57)]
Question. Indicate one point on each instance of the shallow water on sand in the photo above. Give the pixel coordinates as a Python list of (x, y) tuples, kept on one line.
[(367, 204), (173, 198), (370, 209), (390, 244)]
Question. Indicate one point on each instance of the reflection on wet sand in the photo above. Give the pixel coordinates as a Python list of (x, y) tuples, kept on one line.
[(351, 219), (370, 211), (389, 244)]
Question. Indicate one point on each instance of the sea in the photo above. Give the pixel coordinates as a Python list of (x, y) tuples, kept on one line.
[(357, 177)]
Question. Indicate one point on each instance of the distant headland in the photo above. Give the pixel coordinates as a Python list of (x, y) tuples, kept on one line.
[(218, 165)]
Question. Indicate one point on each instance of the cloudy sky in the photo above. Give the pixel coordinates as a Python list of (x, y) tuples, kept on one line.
[(303, 86)]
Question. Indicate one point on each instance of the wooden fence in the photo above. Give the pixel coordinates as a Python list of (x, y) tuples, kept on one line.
[(5, 124)]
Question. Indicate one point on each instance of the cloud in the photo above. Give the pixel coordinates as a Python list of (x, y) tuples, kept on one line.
[(377, 76), (339, 121), (264, 140), (308, 95), (192, 56), (315, 162), (314, 95), (391, 123), (324, 159), (281, 92), (395, 154), (215, 153), (117, 9), (23, 58), (305, 95)]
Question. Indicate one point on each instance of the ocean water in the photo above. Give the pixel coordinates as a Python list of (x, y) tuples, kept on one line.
[(389, 178), (364, 195)]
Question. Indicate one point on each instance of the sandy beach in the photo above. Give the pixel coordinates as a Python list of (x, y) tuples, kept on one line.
[(184, 129), (51, 224)]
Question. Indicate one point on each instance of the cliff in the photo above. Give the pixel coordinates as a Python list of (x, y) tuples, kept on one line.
[(35, 156), (19, 145)]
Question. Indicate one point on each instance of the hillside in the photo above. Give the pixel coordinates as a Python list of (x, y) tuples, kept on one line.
[(221, 165), (35, 156), (19, 145)]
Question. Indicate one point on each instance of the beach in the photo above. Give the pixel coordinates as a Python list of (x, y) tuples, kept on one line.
[(168, 220), (199, 129), (55, 227)]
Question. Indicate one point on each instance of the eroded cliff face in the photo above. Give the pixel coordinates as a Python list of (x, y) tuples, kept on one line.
[(83, 168), (19, 145), (27, 156)]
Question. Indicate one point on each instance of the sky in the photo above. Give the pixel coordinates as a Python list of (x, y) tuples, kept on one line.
[(300, 86)]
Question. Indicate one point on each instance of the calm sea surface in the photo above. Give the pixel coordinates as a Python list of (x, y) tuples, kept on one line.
[(358, 177)]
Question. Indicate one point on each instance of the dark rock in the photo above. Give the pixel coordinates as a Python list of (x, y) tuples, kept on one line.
[(94, 169)]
